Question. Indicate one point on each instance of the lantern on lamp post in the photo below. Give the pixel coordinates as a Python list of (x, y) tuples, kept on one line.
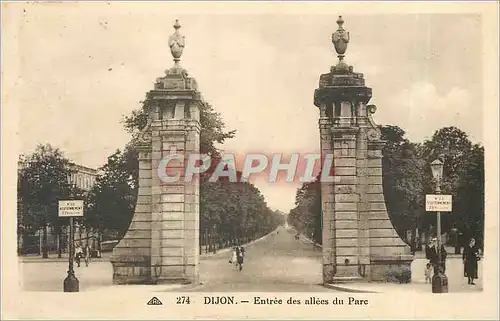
[(439, 280)]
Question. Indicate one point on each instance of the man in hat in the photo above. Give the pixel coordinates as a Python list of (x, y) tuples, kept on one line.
[(431, 253)]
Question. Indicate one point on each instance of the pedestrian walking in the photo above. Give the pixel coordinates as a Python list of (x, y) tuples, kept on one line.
[(234, 258), (240, 253), (432, 254), (87, 253), (78, 254), (470, 258)]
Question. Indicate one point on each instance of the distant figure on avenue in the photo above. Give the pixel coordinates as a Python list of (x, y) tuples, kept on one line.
[(78, 253), (470, 258), (87, 252), (240, 253), (431, 253), (233, 259)]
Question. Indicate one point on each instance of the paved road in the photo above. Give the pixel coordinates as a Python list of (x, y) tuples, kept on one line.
[(279, 263)]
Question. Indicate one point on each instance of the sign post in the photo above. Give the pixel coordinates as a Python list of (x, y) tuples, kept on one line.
[(439, 203), (71, 209)]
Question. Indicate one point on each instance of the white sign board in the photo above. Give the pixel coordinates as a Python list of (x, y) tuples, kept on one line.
[(437, 203), (70, 208)]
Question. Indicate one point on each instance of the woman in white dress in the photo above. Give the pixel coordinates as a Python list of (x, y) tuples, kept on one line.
[(234, 259)]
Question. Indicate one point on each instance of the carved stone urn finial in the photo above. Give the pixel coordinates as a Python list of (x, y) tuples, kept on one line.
[(340, 39), (176, 43)]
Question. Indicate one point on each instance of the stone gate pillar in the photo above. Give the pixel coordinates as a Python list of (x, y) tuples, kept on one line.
[(359, 241), (162, 242)]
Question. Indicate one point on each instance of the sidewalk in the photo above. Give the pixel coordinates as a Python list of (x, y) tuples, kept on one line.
[(53, 258), (454, 271), (457, 283)]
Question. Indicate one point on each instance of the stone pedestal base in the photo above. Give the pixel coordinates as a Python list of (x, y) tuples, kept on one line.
[(328, 273), (391, 269), (131, 270)]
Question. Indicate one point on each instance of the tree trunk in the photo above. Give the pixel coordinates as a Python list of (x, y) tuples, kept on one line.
[(59, 247), (414, 239), (45, 249)]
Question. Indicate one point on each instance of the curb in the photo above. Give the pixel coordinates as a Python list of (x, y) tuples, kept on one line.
[(346, 289), (305, 239)]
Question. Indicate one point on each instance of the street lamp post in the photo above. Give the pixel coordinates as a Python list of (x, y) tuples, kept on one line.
[(439, 279), (71, 283)]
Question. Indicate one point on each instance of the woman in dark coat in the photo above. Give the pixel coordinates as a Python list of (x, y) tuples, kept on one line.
[(240, 253), (470, 257)]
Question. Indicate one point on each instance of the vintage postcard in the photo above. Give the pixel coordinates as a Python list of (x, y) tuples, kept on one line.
[(257, 160)]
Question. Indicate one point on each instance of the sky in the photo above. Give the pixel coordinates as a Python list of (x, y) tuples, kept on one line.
[(82, 68)]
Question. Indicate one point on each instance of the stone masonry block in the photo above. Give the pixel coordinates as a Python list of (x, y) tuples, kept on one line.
[(383, 232), (140, 225), (172, 198), (172, 189), (346, 207), (378, 215), (172, 215), (346, 180), (346, 224), (173, 234), (131, 243), (171, 242), (142, 217), (347, 260), (138, 234), (144, 165), (144, 199), (172, 225), (374, 189), (346, 233), (383, 251), (346, 242), (346, 216), (375, 198), (344, 189), (178, 146), (379, 206), (374, 154), (384, 223), (144, 182), (373, 180), (347, 251), (172, 207), (375, 171), (172, 251), (192, 198), (172, 260), (142, 208), (374, 162), (346, 198), (143, 191), (345, 162)]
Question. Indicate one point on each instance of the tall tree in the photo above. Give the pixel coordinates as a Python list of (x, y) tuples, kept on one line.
[(404, 181), (43, 181), (111, 201)]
